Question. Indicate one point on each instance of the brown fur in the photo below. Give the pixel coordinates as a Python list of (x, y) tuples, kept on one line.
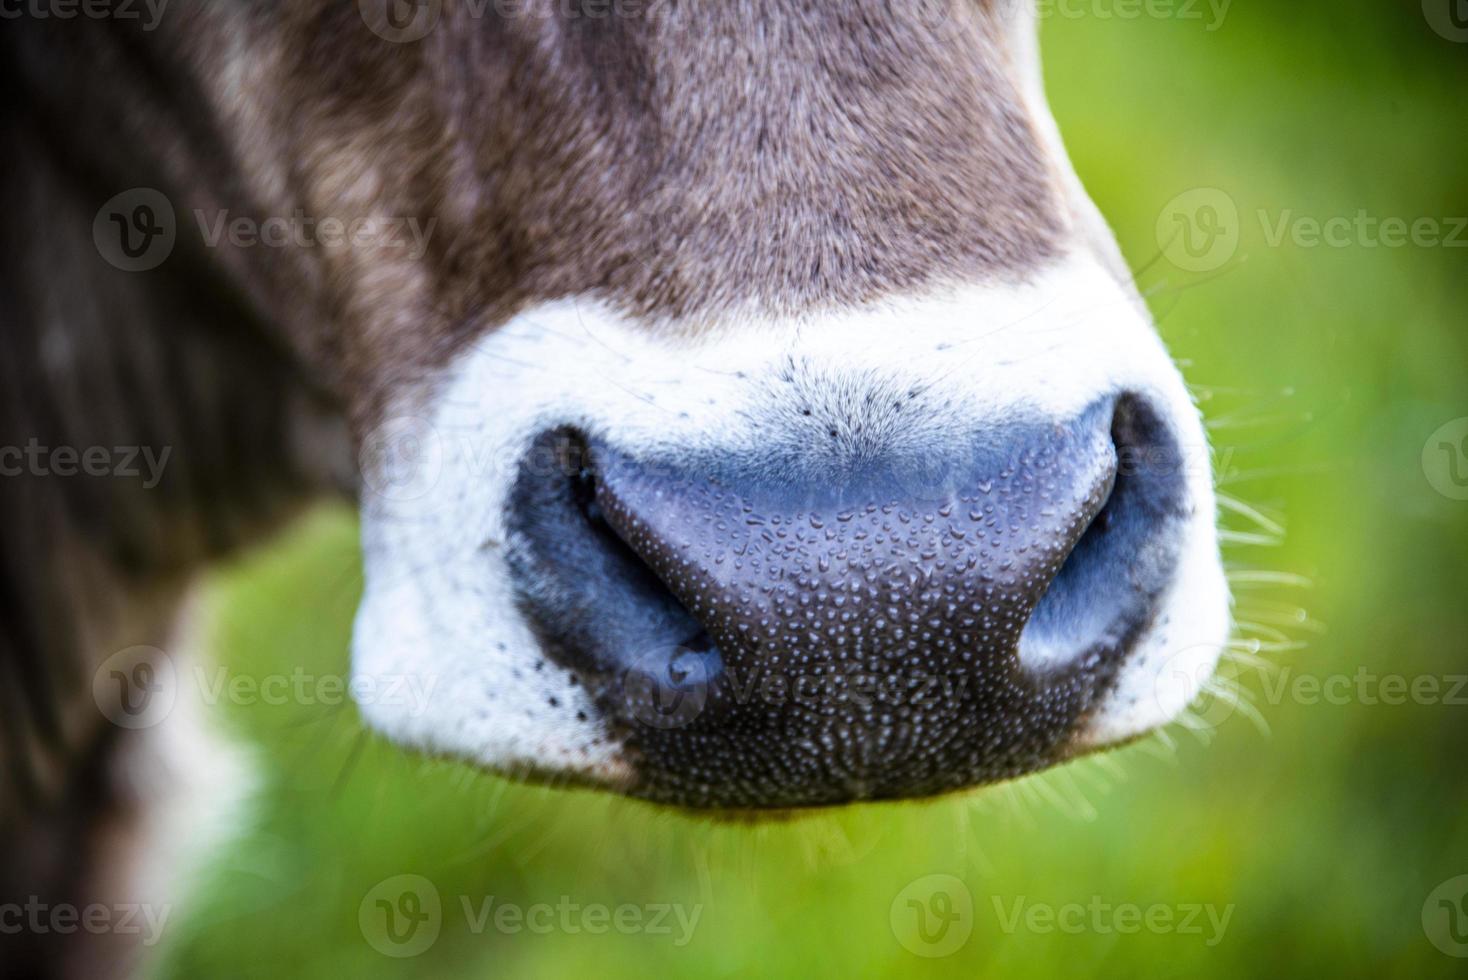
[(694, 158)]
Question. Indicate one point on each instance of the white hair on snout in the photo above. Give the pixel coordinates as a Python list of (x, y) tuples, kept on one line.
[(441, 601)]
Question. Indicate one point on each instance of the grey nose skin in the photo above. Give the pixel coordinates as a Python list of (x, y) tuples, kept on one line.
[(762, 640)]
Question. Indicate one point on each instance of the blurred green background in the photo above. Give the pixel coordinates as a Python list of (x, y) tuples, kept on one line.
[(1322, 828)]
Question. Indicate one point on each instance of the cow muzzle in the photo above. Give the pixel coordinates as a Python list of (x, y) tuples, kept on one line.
[(891, 624)]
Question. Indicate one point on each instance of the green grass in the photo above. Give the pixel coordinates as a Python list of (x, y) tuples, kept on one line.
[(1323, 370)]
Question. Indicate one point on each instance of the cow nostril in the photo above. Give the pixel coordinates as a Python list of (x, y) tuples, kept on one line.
[(597, 606), (584, 493), (1106, 591)]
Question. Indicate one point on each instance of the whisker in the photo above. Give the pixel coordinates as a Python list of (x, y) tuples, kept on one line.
[(1249, 578), (1237, 506), (1268, 633), (1247, 538)]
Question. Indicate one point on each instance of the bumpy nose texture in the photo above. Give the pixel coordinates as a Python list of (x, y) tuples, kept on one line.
[(861, 635)]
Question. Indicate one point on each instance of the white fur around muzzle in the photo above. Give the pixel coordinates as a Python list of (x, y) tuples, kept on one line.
[(439, 616)]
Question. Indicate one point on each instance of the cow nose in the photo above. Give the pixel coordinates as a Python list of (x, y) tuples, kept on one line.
[(762, 633)]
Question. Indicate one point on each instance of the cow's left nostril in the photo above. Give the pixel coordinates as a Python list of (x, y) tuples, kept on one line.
[(777, 632)]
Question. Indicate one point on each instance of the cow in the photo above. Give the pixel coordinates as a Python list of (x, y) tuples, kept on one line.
[(747, 408)]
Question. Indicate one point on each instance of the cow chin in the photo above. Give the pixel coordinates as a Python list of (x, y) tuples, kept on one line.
[(752, 562)]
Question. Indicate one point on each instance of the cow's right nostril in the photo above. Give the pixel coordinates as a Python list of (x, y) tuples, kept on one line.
[(1111, 582), (759, 637), (598, 607)]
